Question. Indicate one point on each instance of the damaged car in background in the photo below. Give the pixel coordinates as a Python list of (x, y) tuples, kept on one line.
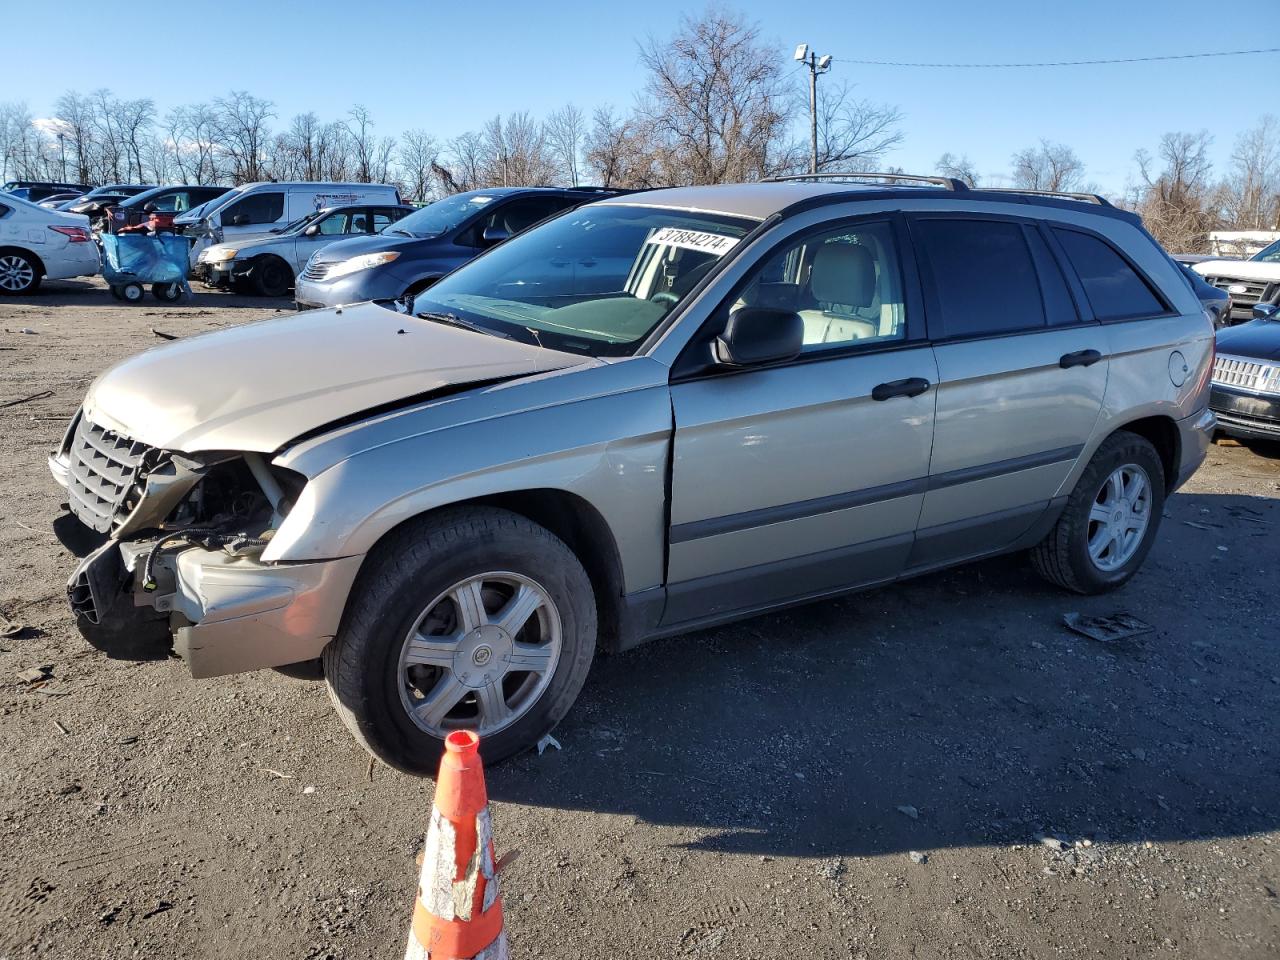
[(647, 415)]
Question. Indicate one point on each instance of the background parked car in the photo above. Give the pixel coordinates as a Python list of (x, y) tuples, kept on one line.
[(1216, 301), (269, 264), (38, 244), (1245, 393), (1248, 282), (433, 241), (166, 202), (37, 190), (254, 209), (97, 202)]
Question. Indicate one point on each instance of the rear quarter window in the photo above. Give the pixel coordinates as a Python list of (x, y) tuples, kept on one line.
[(1116, 291)]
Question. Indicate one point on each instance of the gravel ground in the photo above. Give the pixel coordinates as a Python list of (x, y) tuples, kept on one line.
[(936, 769)]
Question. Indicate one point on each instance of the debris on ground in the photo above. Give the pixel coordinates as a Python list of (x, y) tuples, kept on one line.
[(548, 741), (42, 395), (909, 811), (36, 674), (918, 857), (164, 336), (1112, 629)]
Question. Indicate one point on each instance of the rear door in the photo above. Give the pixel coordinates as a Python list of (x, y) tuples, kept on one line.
[(1021, 375), (805, 477)]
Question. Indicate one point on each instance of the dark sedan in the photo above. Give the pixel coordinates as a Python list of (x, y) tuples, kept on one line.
[(1246, 377)]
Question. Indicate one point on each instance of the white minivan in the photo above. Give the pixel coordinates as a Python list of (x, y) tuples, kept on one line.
[(253, 210)]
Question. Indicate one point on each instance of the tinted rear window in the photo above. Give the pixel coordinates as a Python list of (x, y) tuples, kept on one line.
[(1114, 289), (984, 280)]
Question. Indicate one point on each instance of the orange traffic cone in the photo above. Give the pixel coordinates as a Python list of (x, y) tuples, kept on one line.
[(457, 914)]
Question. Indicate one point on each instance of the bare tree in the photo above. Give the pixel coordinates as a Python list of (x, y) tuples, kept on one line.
[(1174, 198), (1050, 166), (852, 134), (959, 167), (133, 120), (360, 131), (1250, 194), (76, 112), (566, 132), (618, 152), (243, 133), (715, 107), (419, 154)]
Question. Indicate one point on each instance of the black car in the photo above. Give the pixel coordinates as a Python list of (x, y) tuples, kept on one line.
[(1216, 302), (168, 202), (97, 201), (37, 190), (1245, 394), (410, 255)]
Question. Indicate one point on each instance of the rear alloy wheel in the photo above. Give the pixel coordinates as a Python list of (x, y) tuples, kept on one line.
[(271, 277), (471, 619), (18, 274), (1110, 520)]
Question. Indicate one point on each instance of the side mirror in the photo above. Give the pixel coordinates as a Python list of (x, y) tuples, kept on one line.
[(240, 220), (1266, 311), (493, 236), (757, 335), (312, 230)]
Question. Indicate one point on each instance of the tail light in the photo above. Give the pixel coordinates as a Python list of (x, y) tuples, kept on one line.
[(73, 234)]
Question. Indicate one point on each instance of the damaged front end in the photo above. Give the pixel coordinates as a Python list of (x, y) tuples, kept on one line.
[(180, 569)]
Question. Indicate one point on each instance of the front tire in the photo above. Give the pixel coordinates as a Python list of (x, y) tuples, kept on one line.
[(19, 274), (473, 618), (1110, 521), (270, 277)]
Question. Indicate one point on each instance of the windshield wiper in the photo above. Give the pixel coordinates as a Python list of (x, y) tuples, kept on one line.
[(403, 233), (453, 320)]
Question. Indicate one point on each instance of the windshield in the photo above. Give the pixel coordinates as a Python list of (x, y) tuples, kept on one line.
[(594, 281), (300, 224), (209, 206), (1268, 254), (443, 215)]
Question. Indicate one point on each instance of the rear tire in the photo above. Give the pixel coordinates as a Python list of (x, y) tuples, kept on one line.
[(132, 292), (270, 277), (19, 273), (1067, 556), (395, 610), (168, 292)]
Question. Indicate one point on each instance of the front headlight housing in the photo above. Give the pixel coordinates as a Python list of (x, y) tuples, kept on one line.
[(223, 255), (363, 262)]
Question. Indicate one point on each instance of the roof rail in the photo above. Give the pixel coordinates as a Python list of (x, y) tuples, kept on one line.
[(950, 183), (1086, 197)]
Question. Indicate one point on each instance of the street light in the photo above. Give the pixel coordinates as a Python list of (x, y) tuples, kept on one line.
[(62, 152), (816, 65)]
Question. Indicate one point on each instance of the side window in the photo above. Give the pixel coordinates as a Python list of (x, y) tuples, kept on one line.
[(845, 283), (1058, 304), (359, 222), (255, 208), (522, 214), (983, 278), (335, 224), (176, 202), (5, 211), (384, 218), (1114, 289)]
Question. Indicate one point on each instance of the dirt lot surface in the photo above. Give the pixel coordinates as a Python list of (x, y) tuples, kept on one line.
[(937, 769)]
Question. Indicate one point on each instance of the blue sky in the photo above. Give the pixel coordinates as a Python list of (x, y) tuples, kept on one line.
[(448, 67)]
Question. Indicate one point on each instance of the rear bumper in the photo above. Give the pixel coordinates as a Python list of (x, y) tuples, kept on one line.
[(74, 262), (1196, 434), (1250, 416)]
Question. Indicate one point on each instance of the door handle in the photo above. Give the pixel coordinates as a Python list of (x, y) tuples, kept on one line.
[(911, 387), (1081, 358), (588, 262)]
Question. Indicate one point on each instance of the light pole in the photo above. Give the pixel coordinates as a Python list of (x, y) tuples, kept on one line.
[(62, 153), (816, 65)]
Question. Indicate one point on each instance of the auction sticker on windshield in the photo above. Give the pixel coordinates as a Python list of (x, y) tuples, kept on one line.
[(693, 240)]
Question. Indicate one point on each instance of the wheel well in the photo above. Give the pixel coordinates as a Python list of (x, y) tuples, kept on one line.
[(419, 285), (263, 257), (1161, 433), (584, 531), (33, 257)]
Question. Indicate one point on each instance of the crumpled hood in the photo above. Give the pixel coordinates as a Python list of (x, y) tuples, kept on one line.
[(258, 386), (1238, 269)]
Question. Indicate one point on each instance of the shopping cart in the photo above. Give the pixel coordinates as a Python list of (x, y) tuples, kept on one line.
[(132, 260)]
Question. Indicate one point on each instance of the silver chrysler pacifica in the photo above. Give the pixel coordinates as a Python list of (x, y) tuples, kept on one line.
[(650, 414)]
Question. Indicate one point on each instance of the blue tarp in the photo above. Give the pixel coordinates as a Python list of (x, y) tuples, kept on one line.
[(137, 257)]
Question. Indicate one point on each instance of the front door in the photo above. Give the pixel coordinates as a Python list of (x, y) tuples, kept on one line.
[(806, 477), (1021, 376)]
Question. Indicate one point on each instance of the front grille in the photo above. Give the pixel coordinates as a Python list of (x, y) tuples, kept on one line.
[(1255, 291), (1246, 374), (315, 271), (101, 468)]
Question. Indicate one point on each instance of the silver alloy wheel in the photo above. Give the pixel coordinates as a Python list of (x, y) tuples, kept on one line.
[(1119, 517), (480, 654), (16, 273)]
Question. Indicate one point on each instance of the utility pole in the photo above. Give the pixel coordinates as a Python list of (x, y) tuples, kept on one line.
[(62, 152), (816, 65)]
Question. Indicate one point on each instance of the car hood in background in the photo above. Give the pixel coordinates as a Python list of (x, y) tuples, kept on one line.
[(1238, 269), (1259, 339), (375, 243), (258, 386)]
